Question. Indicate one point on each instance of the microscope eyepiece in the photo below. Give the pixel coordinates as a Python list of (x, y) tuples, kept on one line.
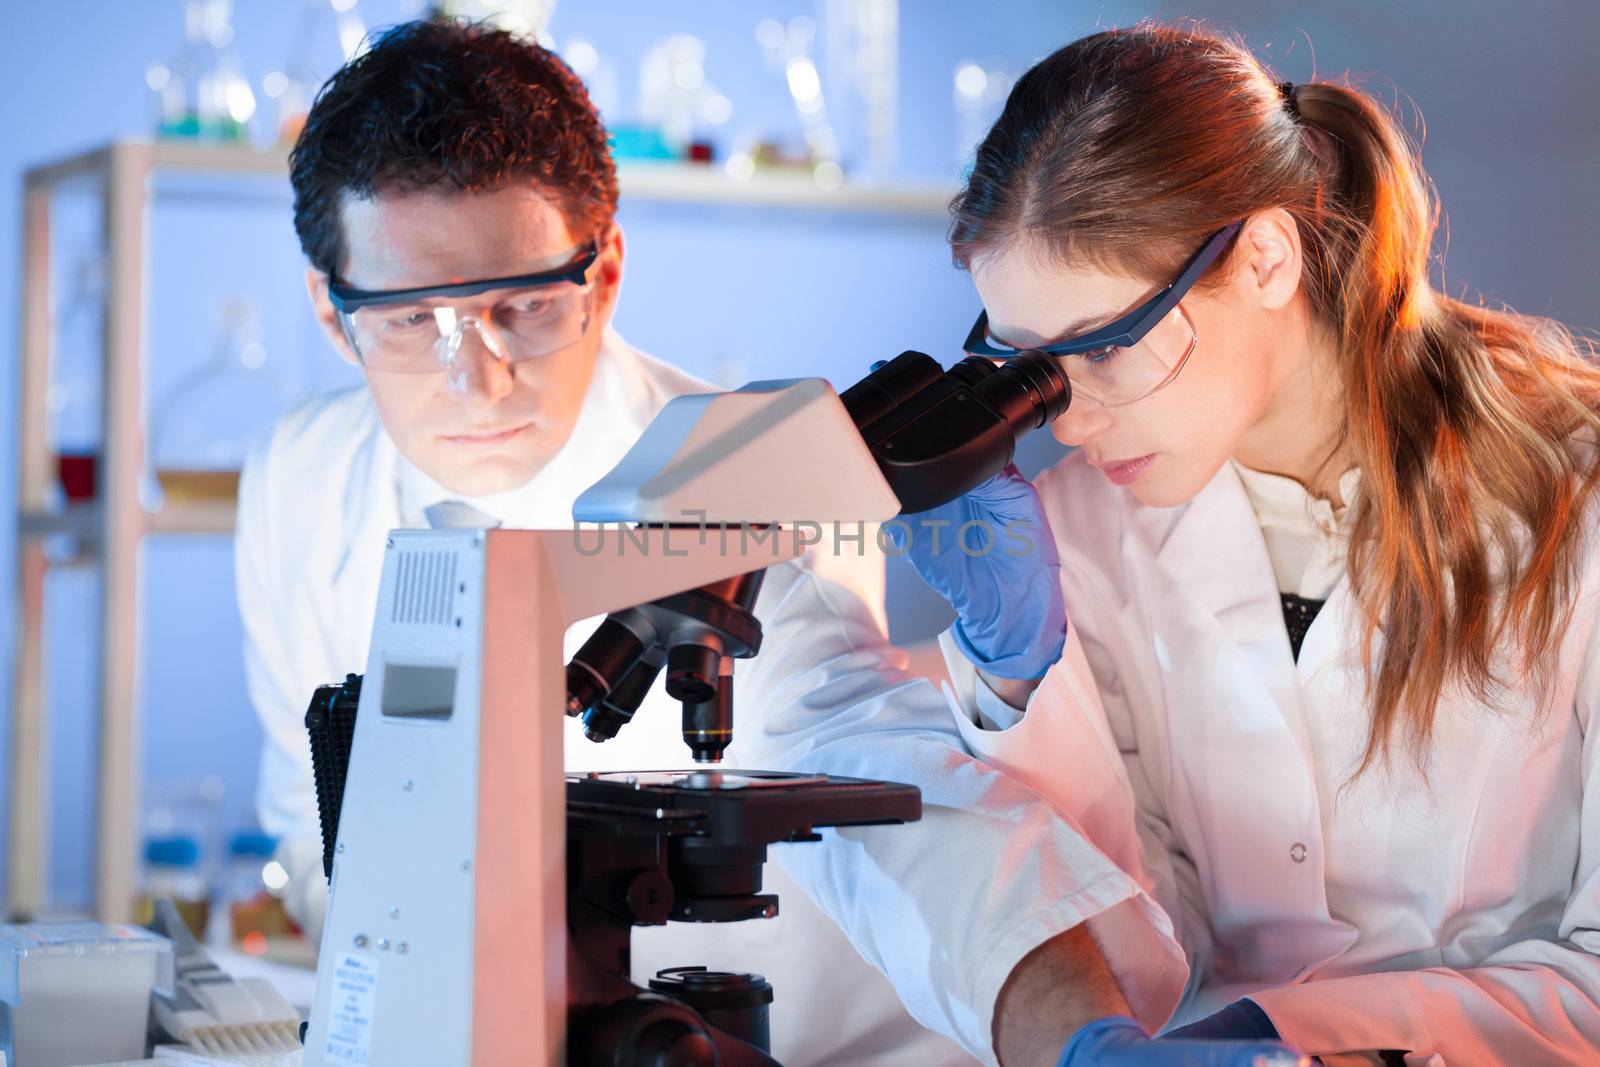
[(936, 434)]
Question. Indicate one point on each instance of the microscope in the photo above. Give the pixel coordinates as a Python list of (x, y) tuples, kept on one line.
[(482, 900)]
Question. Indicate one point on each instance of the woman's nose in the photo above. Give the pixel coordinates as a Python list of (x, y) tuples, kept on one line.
[(1082, 420)]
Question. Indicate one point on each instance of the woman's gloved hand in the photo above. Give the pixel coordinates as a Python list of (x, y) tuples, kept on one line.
[(991, 554), (1118, 1041)]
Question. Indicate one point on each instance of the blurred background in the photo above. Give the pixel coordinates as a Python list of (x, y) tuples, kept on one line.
[(785, 166)]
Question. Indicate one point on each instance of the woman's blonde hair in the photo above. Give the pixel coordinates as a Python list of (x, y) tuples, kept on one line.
[(1128, 148)]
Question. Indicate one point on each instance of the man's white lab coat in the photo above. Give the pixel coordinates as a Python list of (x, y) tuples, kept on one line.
[(947, 907), (1456, 918)]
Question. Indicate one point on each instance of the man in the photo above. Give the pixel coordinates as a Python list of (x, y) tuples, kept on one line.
[(450, 156)]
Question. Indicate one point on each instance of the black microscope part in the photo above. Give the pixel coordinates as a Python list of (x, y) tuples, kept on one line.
[(602, 662), (735, 1003), (936, 434), (614, 711), (331, 727), (708, 725)]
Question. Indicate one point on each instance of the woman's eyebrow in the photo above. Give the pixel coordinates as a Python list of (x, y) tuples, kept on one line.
[(1073, 329)]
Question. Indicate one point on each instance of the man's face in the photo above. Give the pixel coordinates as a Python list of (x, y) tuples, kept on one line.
[(500, 422)]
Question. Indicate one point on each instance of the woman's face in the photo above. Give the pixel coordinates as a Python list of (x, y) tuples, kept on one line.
[(1193, 424)]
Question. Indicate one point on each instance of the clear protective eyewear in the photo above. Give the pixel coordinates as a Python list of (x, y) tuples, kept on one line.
[(1135, 355), (422, 330)]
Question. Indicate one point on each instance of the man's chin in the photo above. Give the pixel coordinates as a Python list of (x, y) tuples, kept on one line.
[(484, 475)]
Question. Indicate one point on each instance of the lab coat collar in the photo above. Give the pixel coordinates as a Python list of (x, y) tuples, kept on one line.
[(1214, 554), (369, 496)]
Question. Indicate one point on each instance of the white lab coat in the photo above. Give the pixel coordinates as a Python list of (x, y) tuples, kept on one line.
[(1457, 919), (316, 500)]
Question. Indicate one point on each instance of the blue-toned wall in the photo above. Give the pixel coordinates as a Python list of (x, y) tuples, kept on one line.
[(1513, 142)]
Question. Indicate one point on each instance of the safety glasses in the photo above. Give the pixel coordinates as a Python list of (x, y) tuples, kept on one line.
[(421, 330), (1135, 355)]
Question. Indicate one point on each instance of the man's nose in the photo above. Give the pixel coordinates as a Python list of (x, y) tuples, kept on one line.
[(1082, 420), (480, 373)]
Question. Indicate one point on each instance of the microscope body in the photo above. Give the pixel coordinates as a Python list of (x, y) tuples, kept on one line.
[(446, 935)]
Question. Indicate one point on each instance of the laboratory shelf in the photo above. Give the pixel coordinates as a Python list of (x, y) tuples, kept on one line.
[(78, 520), (83, 520), (210, 517), (106, 533), (667, 182)]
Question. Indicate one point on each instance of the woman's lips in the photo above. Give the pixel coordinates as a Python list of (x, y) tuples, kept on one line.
[(1127, 472), (487, 440)]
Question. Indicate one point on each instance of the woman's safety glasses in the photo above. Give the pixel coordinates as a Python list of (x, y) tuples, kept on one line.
[(1133, 356), (420, 331)]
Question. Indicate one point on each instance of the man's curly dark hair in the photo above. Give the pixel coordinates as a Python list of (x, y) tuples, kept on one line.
[(444, 101)]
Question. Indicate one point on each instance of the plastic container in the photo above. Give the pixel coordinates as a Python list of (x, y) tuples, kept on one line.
[(172, 869), (76, 993), (247, 911)]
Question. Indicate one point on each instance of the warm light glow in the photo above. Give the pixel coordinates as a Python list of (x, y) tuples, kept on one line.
[(804, 83), (769, 33), (241, 101), (689, 75), (801, 32), (971, 80), (717, 109), (254, 943), (583, 57), (274, 877)]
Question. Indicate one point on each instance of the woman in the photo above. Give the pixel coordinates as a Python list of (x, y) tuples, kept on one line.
[(1326, 546)]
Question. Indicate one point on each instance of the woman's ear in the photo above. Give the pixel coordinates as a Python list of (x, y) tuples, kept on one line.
[(327, 318), (1271, 264)]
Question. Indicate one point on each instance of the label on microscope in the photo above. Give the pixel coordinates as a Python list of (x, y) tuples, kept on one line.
[(355, 994)]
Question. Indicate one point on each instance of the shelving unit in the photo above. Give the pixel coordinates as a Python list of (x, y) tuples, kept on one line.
[(109, 529)]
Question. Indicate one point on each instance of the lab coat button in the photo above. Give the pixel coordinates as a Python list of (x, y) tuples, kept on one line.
[(1297, 852)]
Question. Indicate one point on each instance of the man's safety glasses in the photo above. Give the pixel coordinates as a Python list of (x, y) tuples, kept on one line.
[(420, 330), (1135, 355)]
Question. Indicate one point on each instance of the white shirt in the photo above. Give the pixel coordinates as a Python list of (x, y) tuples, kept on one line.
[(1306, 537), (945, 907), (1456, 916)]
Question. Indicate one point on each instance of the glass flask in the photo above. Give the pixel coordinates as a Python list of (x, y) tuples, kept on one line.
[(204, 426)]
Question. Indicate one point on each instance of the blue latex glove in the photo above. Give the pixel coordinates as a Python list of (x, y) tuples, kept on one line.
[(1002, 576), (1118, 1041)]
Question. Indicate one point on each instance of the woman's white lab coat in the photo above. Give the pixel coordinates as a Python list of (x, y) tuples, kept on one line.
[(1455, 916)]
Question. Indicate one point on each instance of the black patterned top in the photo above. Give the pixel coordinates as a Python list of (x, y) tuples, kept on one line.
[(1298, 613)]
